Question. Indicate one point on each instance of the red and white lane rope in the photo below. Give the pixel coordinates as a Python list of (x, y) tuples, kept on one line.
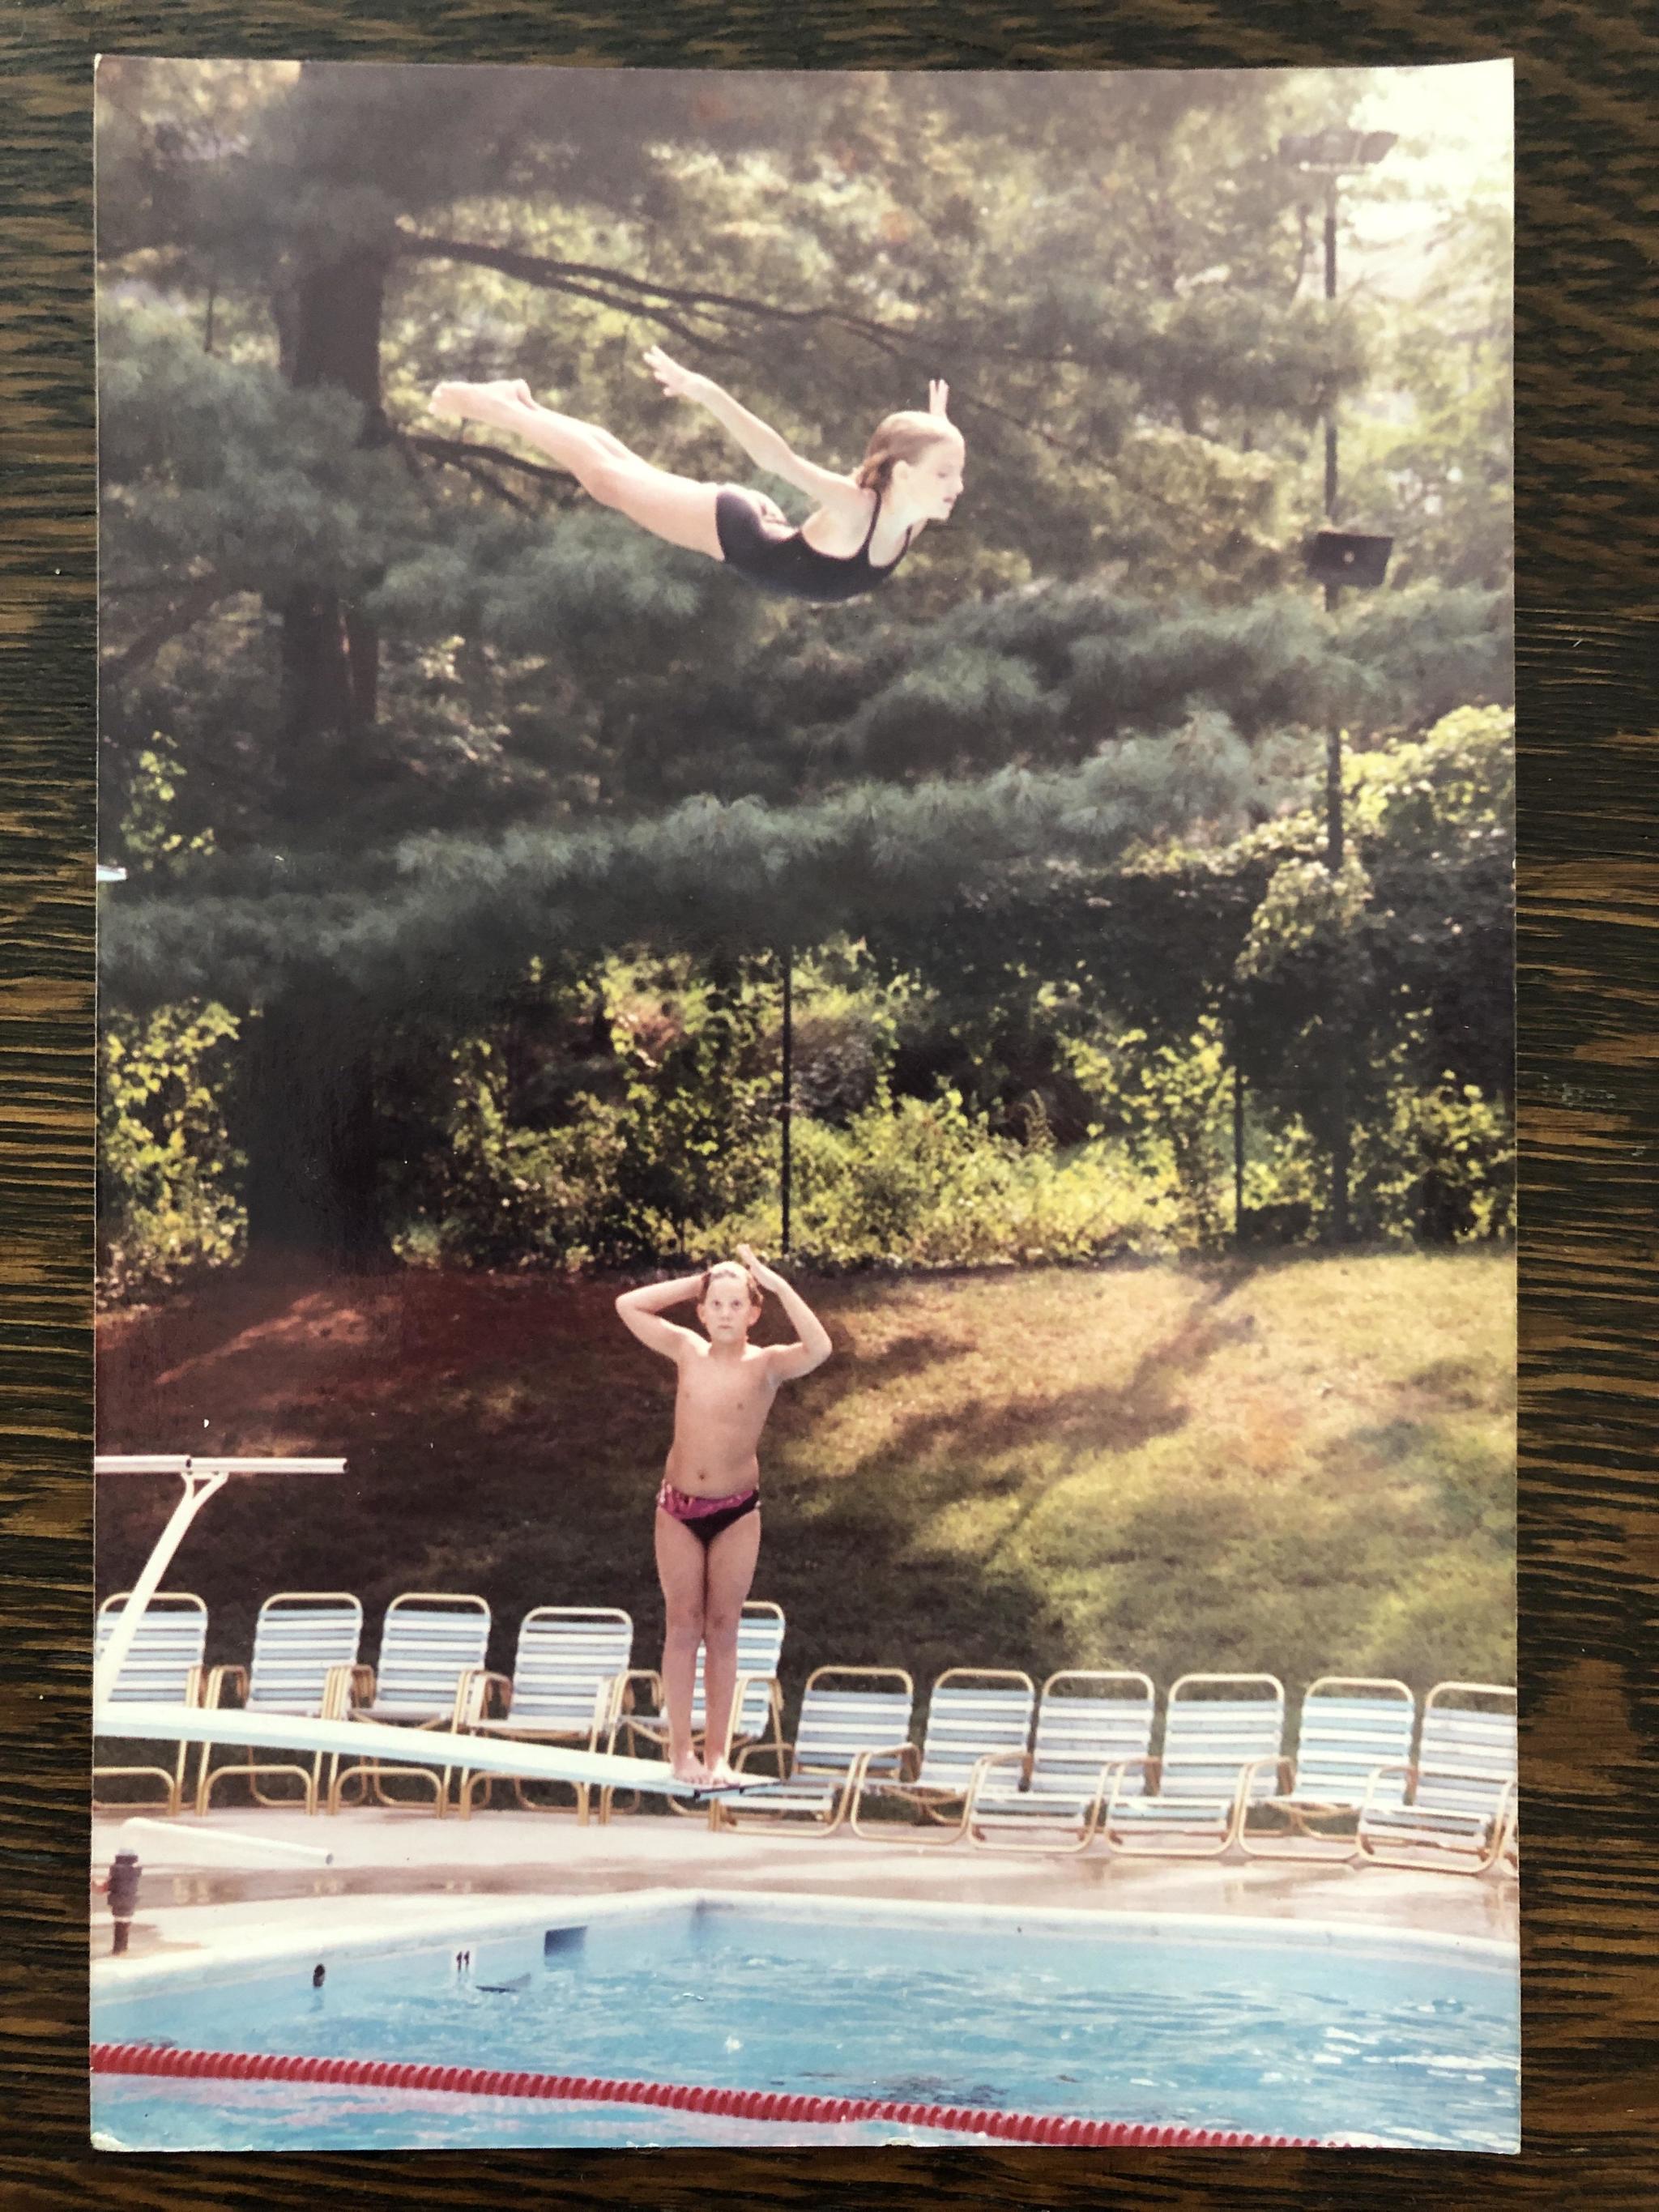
[(677, 2096)]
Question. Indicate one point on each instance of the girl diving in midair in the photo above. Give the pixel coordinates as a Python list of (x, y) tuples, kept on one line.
[(855, 536)]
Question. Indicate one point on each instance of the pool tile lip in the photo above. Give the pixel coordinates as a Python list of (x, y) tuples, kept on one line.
[(449, 1920)]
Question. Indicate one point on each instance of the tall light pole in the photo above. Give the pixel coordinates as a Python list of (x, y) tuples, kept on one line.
[(1337, 557), (786, 1164)]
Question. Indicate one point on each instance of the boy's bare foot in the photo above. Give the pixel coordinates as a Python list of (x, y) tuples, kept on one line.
[(689, 1768), (724, 1776)]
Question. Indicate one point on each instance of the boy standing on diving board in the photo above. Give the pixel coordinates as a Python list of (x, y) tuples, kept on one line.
[(707, 1530)]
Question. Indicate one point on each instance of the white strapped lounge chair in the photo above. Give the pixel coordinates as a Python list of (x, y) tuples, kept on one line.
[(853, 1721), (163, 1667), (756, 1701), (974, 1713), (431, 1643), (566, 1687), (1222, 1734), (1458, 1810), (1089, 1723), (1352, 1745), (305, 1654)]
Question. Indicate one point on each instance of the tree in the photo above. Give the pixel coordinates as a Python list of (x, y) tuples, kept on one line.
[(1432, 461)]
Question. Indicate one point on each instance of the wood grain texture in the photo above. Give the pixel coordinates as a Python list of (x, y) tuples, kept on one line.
[(1587, 81)]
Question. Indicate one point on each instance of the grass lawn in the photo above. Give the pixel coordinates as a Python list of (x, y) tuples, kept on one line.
[(1300, 1468)]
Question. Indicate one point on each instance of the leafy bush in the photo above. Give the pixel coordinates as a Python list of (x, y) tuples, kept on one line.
[(675, 1125), (1172, 1104), (167, 1200), (1440, 1169), (926, 1182), (502, 1196)]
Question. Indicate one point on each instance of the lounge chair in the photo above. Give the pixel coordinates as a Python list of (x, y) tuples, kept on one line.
[(432, 1642), (1458, 1811), (1089, 1723), (756, 1702), (163, 1666), (1352, 1745), (1220, 1734), (305, 1653), (973, 1714), (565, 1687), (853, 1721)]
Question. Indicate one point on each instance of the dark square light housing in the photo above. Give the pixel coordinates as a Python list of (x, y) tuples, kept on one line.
[(1349, 556)]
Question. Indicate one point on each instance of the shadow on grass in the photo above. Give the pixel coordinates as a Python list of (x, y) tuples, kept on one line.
[(894, 1603), (1119, 1417)]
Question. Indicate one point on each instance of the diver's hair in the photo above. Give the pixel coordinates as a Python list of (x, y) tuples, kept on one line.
[(905, 436), (730, 1267)]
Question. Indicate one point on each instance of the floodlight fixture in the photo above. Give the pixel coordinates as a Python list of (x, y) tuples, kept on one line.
[(1333, 151), (1356, 558)]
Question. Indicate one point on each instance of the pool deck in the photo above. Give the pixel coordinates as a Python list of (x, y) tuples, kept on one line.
[(394, 1869)]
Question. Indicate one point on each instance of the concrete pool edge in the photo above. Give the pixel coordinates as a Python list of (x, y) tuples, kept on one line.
[(403, 1862), (446, 1919)]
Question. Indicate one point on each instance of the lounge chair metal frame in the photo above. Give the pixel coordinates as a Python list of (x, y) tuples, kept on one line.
[(1460, 1793), (157, 1668), (1058, 1786), (1350, 1773), (407, 1710), (942, 1773), (577, 1645), (324, 1612), (1187, 1758), (841, 1733)]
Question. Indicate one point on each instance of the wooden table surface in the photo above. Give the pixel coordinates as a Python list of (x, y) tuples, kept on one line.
[(1587, 96)]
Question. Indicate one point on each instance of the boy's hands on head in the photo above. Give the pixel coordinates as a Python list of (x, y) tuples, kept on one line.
[(939, 396), (768, 1278), (789, 1360)]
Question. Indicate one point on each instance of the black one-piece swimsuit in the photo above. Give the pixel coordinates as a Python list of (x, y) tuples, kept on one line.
[(789, 564)]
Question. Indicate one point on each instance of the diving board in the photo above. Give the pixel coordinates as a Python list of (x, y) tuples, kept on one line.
[(405, 1747)]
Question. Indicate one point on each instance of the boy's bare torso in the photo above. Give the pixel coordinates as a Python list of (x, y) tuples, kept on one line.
[(720, 1410)]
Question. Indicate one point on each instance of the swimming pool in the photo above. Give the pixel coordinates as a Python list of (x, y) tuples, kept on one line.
[(1270, 2027)]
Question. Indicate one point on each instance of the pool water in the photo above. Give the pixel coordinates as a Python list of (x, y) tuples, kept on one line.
[(1413, 2042)]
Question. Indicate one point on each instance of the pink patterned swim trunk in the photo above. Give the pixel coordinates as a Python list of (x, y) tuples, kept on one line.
[(706, 1516)]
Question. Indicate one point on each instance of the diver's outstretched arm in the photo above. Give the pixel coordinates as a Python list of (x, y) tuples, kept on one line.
[(767, 447)]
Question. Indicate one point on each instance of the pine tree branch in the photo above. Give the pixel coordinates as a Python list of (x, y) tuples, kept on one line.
[(542, 269), (609, 288), (462, 453), (581, 278), (183, 615), (648, 295), (491, 481)]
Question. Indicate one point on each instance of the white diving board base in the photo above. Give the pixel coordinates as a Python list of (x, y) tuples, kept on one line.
[(400, 1747), (202, 1479)]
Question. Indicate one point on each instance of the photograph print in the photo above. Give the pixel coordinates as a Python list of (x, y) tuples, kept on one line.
[(806, 1289)]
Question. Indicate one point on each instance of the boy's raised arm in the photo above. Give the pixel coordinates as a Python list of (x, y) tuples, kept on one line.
[(790, 1361), (640, 1310)]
